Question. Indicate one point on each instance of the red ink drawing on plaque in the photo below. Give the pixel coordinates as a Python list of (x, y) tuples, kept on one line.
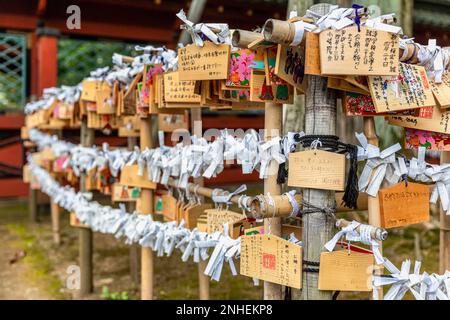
[(269, 261)]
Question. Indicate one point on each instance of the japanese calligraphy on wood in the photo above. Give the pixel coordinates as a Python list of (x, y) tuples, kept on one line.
[(290, 65), (437, 122), (216, 218), (271, 259), (176, 90), (349, 52), (345, 270), (402, 205), (407, 90), (209, 62), (317, 169), (441, 91)]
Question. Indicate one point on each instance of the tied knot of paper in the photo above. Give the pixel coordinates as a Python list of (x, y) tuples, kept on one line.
[(225, 197), (376, 165), (218, 33), (422, 286), (225, 250), (269, 151), (435, 60), (353, 235), (294, 204)]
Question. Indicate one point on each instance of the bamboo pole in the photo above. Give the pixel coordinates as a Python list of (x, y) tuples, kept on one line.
[(55, 210), (55, 213), (134, 248), (32, 204), (373, 203), (272, 128), (147, 256), (203, 280), (376, 233), (242, 38), (444, 234), (85, 234), (194, 14)]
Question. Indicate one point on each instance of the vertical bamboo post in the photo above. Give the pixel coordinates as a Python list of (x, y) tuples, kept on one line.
[(55, 210), (444, 243), (32, 204), (272, 128), (147, 258), (134, 248), (373, 204), (320, 119), (203, 280), (85, 234)]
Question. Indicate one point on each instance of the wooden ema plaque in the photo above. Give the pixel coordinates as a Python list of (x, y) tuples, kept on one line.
[(343, 85), (89, 89), (169, 207), (427, 139), (176, 90), (317, 169), (216, 218), (192, 214), (75, 222), (290, 66), (312, 55), (349, 52), (437, 120), (129, 177), (403, 205), (282, 93), (121, 193), (272, 259), (407, 90), (209, 62), (345, 270), (441, 91)]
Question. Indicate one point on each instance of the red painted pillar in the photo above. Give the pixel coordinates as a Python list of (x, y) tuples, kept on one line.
[(47, 58)]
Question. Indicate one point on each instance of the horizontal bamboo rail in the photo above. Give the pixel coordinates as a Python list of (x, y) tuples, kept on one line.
[(376, 233)]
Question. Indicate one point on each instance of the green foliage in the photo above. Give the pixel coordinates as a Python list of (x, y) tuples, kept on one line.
[(107, 295), (12, 71), (76, 58)]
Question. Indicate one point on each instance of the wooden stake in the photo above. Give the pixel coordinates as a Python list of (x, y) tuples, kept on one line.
[(134, 248), (203, 280), (147, 257), (373, 204), (55, 210), (55, 222), (85, 234), (444, 244), (32, 204), (272, 128)]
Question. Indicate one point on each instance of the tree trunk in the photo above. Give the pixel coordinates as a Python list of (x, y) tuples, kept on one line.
[(320, 118)]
